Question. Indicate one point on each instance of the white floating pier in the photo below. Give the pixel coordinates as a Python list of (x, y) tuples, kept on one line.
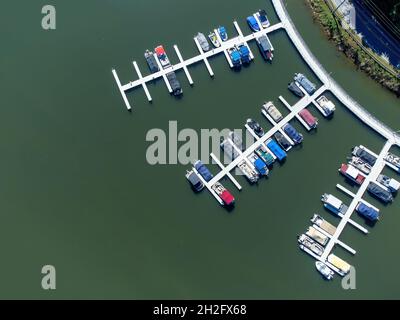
[(144, 83), (128, 106), (286, 104), (178, 53), (210, 71), (229, 175), (164, 74)]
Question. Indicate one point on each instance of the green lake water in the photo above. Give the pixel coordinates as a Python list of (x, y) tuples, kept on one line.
[(77, 193)]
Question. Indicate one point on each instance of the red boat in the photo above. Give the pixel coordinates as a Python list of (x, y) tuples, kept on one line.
[(352, 173), (308, 118), (224, 194)]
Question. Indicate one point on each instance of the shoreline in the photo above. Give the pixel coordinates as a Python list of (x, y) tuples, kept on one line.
[(344, 43)]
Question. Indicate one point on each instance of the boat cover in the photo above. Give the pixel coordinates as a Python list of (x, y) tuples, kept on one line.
[(367, 212)]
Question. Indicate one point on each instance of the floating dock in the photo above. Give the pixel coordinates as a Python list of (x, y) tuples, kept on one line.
[(183, 64)]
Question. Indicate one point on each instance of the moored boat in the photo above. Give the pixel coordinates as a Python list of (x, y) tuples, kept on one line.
[(276, 149), (214, 39), (360, 165), (365, 155), (326, 105), (255, 126), (342, 265), (367, 211), (248, 171), (293, 133), (244, 53), (352, 173), (222, 33), (259, 164), (263, 153), (390, 183), (393, 160), (262, 17), (253, 24), (273, 111), (203, 170), (151, 61), (194, 180), (162, 57), (223, 193), (333, 204), (323, 224), (265, 47), (235, 57), (229, 149), (201, 38), (283, 142), (317, 236), (324, 270), (175, 85), (384, 195), (292, 86), (308, 118), (305, 83)]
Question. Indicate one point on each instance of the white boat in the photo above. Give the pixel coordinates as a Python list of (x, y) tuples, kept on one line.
[(390, 183), (326, 105), (201, 38), (324, 270), (360, 164), (214, 39)]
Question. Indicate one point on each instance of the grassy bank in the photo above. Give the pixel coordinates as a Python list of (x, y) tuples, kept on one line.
[(346, 44)]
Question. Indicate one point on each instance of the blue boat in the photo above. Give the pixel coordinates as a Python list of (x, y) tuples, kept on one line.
[(367, 212), (258, 164), (253, 24), (235, 57), (203, 170), (244, 53), (293, 133), (276, 149), (222, 33), (305, 83)]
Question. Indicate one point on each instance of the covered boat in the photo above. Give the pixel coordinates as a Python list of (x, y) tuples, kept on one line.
[(323, 224), (317, 236), (283, 142), (360, 164), (380, 193), (293, 133), (244, 53), (361, 152), (201, 38), (333, 204), (292, 86), (194, 180), (151, 61), (393, 159), (229, 149), (265, 47), (367, 212), (175, 85), (236, 139), (248, 171), (305, 83), (203, 170), (252, 22), (352, 173), (308, 118), (276, 149), (235, 57), (342, 265)]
